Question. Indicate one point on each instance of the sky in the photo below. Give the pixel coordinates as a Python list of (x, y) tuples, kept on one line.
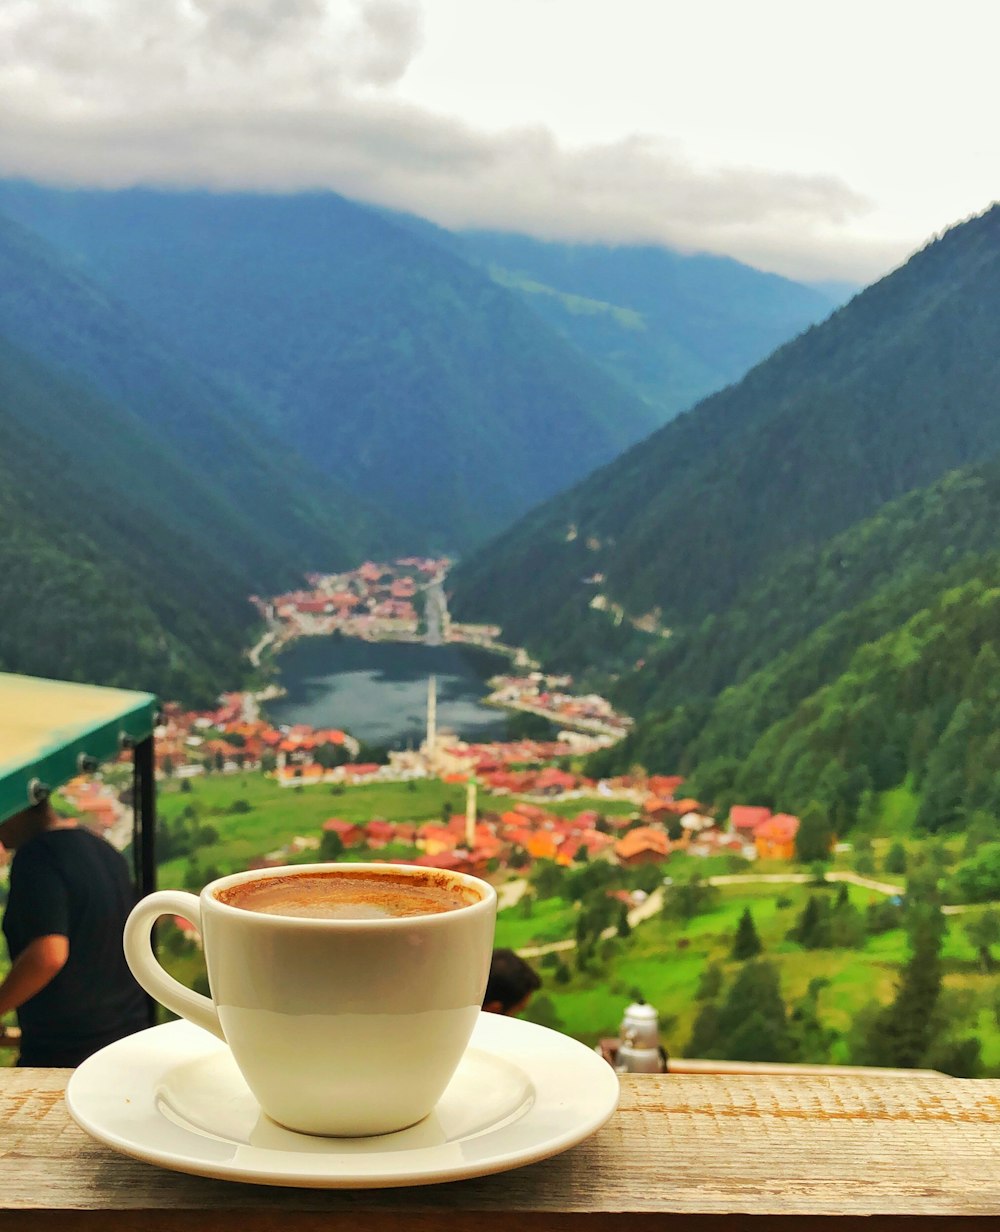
[(816, 139)]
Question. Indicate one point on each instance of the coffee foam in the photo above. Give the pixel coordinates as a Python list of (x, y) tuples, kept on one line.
[(346, 894)]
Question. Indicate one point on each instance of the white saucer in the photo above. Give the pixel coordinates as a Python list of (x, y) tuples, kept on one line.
[(173, 1096)]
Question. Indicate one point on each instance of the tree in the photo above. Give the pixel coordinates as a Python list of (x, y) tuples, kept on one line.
[(982, 828), (978, 880), (548, 879), (541, 1010), (329, 756), (705, 1032), (813, 1039), (753, 1021), (812, 929), (747, 943), (847, 926), (583, 882), (689, 898), (710, 984), (597, 912), (883, 915), (331, 846), (895, 860), (984, 931), (815, 834), (944, 787), (900, 1034)]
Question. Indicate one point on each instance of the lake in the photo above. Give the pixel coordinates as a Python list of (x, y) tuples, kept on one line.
[(377, 691)]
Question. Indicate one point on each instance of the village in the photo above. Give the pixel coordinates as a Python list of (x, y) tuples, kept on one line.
[(527, 786), (405, 601), (651, 818)]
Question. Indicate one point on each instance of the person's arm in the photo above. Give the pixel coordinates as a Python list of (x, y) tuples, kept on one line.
[(37, 965)]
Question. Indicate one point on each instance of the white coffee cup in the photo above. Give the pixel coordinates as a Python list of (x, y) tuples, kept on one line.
[(343, 1027)]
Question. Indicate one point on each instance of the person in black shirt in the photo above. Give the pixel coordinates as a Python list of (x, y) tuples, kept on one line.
[(510, 985), (68, 900)]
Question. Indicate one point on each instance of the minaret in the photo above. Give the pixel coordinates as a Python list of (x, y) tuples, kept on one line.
[(431, 717), (470, 814)]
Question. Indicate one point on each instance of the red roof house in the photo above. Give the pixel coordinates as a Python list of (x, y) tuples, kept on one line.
[(745, 818)]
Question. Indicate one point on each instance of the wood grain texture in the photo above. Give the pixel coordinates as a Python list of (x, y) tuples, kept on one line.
[(692, 1153)]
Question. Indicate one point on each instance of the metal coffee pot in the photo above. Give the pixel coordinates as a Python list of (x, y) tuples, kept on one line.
[(639, 1051)]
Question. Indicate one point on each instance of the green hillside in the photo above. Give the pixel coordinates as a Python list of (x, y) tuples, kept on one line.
[(137, 513), (816, 607), (891, 392), (820, 658), (672, 327), (267, 511), (95, 584), (388, 362), (915, 708)]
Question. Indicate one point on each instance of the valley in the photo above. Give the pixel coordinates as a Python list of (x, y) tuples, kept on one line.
[(708, 690), (558, 909)]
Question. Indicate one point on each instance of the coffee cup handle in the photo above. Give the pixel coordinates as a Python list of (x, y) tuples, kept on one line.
[(146, 967)]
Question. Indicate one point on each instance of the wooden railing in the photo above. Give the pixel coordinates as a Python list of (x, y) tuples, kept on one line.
[(765, 1152)]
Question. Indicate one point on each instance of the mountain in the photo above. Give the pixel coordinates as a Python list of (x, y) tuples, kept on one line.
[(895, 389), (729, 699), (388, 362), (672, 327), (137, 514), (264, 507), (97, 581), (850, 646)]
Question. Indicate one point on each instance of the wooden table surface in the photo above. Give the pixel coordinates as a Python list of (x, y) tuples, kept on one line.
[(691, 1153)]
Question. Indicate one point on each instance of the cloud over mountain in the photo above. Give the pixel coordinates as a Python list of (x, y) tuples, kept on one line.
[(293, 94)]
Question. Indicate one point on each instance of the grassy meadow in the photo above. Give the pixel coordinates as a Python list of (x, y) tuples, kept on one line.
[(663, 959)]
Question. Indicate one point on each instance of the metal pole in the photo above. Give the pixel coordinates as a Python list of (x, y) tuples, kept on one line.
[(144, 831), (145, 815)]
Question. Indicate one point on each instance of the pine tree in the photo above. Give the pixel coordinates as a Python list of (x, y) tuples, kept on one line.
[(900, 1034), (753, 1021), (815, 836), (945, 784), (710, 984), (813, 1039), (812, 931), (705, 1033), (895, 860), (331, 846), (747, 943)]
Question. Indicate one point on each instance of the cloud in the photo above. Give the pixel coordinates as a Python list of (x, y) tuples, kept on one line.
[(293, 94)]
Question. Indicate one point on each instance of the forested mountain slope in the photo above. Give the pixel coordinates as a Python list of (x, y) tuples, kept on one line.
[(868, 579), (393, 364), (917, 706), (790, 647), (895, 389), (260, 506), (98, 580), (138, 512), (672, 327)]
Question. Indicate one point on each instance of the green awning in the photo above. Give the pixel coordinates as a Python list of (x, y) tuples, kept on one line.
[(48, 726)]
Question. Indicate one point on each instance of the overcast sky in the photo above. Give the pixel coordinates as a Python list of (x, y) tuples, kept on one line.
[(813, 138)]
